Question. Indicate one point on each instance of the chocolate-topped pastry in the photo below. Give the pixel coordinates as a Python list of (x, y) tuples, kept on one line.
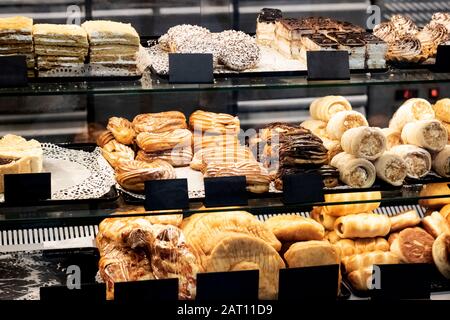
[(404, 25), (406, 50), (349, 27), (352, 43), (431, 36), (329, 174), (386, 31), (265, 26), (442, 18)]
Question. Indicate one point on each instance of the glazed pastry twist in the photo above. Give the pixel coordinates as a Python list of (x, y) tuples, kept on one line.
[(115, 152)]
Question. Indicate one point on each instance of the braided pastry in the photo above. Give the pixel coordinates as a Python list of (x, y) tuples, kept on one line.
[(122, 129), (159, 122), (115, 152), (215, 123), (131, 175), (152, 142)]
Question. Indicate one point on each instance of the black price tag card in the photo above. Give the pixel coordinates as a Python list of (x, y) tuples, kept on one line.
[(402, 281), (328, 65), (191, 68), (87, 292), (309, 283), (226, 191), (228, 286), (27, 187), (166, 194), (443, 59), (302, 188), (13, 71), (149, 290)]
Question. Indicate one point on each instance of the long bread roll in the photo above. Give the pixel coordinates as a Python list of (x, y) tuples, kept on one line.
[(367, 259), (428, 134), (404, 220), (393, 138), (324, 108), (338, 210), (417, 160), (355, 172), (343, 121), (391, 168), (410, 111), (323, 218), (350, 247), (441, 162), (364, 142), (363, 225)]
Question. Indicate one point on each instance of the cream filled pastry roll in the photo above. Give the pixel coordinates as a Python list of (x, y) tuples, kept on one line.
[(410, 111), (391, 168), (428, 134), (343, 121), (441, 162), (355, 172), (324, 108), (417, 160), (364, 142), (363, 225), (393, 138)]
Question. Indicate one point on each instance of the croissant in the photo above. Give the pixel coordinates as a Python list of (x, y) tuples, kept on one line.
[(115, 152), (159, 122), (363, 225), (355, 172), (122, 129), (417, 160), (391, 168), (343, 121), (393, 138), (441, 162), (367, 259), (346, 209), (132, 174), (324, 108), (364, 142), (428, 134), (404, 220), (410, 111), (153, 142)]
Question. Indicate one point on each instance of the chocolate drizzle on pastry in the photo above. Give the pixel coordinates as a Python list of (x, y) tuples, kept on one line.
[(329, 174), (5, 161)]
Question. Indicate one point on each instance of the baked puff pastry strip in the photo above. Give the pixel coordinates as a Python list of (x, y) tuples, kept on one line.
[(404, 220), (159, 122), (393, 138), (355, 172), (343, 121), (153, 142), (214, 123), (104, 137), (441, 162), (391, 168), (346, 209), (368, 259), (417, 160), (324, 108), (363, 225), (351, 247), (428, 134), (410, 111), (122, 130), (115, 152), (364, 142)]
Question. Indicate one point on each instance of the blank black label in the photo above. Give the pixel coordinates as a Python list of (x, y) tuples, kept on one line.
[(13, 71), (302, 188), (166, 194), (226, 191), (443, 59), (402, 281), (150, 290), (228, 286), (191, 68), (87, 292), (309, 283), (328, 65), (27, 187)]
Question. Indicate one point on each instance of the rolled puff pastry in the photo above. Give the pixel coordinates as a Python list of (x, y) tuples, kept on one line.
[(355, 172), (391, 168), (363, 225), (295, 228), (323, 218), (417, 160), (442, 109), (324, 108), (364, 142), (343, 121), (339, 210), (428, 134), (115, 152), (410, 111), (393, 138), (441, 162), (122, 130), (404, 220), (318, 127), (435, 189)]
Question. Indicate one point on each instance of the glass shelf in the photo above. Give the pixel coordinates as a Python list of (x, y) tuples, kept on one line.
[(151, 83)]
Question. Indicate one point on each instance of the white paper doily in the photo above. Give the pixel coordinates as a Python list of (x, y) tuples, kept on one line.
[(76, 174)]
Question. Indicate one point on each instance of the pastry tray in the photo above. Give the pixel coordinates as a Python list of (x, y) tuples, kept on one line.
[(109, 196)]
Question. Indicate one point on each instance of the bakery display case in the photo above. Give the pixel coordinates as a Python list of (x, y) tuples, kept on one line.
[(261, 179)]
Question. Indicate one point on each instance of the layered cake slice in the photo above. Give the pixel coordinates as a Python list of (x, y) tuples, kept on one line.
[(376, 50), (352, 43), (265, 26), (317, 42)]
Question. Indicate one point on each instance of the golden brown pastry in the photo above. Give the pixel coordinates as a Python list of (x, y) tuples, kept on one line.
[(346, 209), (417, 160), (364, 142), (178, 157), (295, 228), (203, 141), (442, 109), (435, 224), (153, 142), (405, 49), (242, 252), (441, 254), (105, 137), (367, 259), (122, 130), (132, 174), (323, 218), (311, 253), (413, 245), (392, 238), (428, 134), (361, 278), (355, 172), (350, 247), (445, 212), (404, 220), (343, 121), (411, 110), (332, 237), (363, 225), (318, 127), (214, 123), (393, 138), (159, 122), (441, 162), (115, 152), (391, 168), (204, 157), (434, 189), (324, 108)]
